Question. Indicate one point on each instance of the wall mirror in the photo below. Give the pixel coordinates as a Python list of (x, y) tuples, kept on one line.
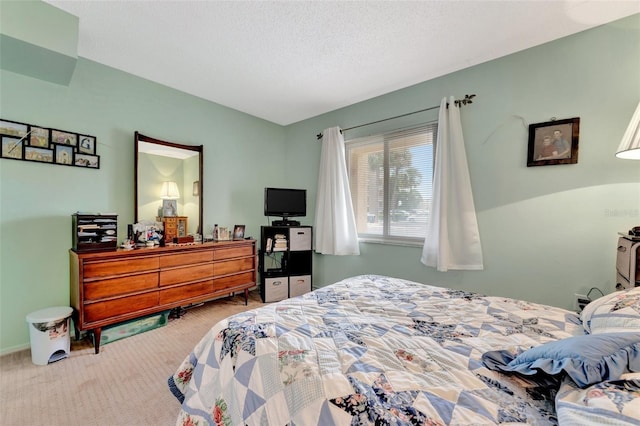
[(168, 181)]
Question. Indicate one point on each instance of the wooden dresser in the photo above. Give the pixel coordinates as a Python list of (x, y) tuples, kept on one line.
[(115, 286)]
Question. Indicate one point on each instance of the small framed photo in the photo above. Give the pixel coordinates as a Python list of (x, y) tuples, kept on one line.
[(39, 136), (12, 128), (169, 208), (85, 160), (238, 232), (87, 144), (553, 142), (223, 233), (65, 138), (41, 155), (12, 147), (63, 154)]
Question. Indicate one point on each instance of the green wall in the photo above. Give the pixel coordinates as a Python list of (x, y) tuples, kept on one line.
[(37, 200), (38, 40), (547, 232)]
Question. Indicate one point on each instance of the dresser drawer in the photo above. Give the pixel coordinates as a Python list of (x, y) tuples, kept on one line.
[(120, 286), (232, 266), (116, 267), (186, 258), (183, 275), (124, 305), (185, 292), (231, 252), (232, 281)]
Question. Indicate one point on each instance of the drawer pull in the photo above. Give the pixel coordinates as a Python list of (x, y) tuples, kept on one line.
[(622, 249)]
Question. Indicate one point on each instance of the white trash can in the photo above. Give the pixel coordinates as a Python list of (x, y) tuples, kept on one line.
[(49, 334)]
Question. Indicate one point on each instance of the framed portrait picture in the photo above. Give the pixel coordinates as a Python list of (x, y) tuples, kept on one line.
[(63, 154), (39, 136), (87, 144), (12, 128), (223, 234), (12, 147), (85, 160), (238, 232), (169, 208), (65, 138), (41, 155), (553, 142)]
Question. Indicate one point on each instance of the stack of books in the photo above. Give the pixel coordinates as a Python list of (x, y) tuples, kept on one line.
[(280, 243)]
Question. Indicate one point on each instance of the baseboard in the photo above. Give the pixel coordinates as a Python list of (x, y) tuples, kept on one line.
[(15, 349)]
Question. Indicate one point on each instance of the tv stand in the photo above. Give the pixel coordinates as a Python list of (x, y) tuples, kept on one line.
[(285, 222)]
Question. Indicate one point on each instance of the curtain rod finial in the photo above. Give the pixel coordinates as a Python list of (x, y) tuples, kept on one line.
[(466, 100)]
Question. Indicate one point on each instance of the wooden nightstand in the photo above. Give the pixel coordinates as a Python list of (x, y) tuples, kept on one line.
[(174, 226)]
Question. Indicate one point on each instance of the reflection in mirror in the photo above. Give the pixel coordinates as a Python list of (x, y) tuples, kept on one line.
[(168, 181)]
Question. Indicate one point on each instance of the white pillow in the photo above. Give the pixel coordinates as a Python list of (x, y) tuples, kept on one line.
[(614, 313), (587, 311)]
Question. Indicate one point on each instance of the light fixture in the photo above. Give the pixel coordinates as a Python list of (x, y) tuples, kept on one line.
[(169, 191), (630, 145)]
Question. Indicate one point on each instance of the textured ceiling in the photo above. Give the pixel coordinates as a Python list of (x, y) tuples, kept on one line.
[(285, 61)]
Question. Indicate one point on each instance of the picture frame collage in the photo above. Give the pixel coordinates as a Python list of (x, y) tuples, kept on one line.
[(28, 142)]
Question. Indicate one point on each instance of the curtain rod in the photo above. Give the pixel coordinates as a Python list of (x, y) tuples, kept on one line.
[(458, 102)]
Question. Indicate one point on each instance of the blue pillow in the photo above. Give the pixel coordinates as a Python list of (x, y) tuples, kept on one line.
[(586, 359)]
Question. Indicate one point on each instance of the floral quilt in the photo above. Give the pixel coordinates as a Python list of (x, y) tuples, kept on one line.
[(370, 350)]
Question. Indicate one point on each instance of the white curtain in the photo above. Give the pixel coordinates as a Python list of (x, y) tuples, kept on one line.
[(453, 240), (335, 223)]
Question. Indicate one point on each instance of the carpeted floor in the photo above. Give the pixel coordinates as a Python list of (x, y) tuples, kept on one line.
[(125, 384)]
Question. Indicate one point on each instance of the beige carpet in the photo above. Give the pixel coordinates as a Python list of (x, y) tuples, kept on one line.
[(125, 384)]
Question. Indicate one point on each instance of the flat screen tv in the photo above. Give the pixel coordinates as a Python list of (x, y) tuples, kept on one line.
[(285, 203)]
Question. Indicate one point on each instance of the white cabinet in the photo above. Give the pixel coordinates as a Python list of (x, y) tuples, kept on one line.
[(627, 263)]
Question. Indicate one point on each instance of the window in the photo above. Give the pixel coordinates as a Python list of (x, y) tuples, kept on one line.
[(390, 177)]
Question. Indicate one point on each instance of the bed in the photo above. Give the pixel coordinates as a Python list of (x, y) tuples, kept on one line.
[(379, 350)]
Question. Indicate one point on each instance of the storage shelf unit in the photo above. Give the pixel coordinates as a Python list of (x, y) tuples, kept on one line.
[(285, 261), (94, 232)]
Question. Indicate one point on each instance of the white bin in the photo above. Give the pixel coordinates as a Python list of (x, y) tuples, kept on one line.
[(49, 334)]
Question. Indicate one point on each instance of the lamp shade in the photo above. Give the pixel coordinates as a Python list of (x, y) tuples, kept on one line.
[(630, 145), (169, 191)]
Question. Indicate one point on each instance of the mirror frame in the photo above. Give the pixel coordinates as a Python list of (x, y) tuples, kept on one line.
[(197, 148)]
